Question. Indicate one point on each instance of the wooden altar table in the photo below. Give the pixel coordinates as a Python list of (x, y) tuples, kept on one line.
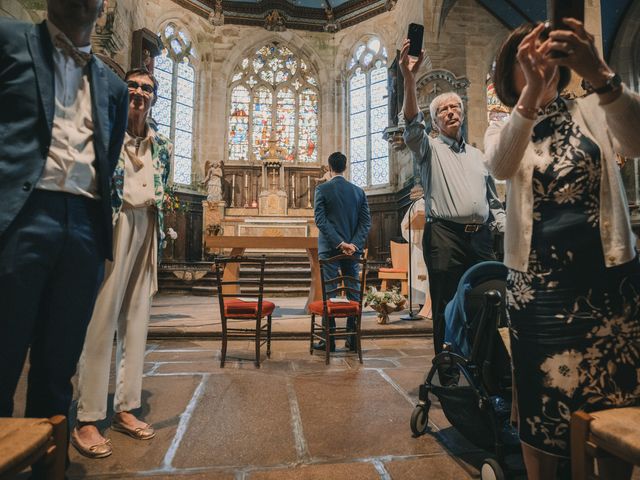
[(239, 244)]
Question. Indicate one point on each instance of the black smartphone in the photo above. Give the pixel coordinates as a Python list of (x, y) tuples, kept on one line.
[(415, 34), (559, 9)]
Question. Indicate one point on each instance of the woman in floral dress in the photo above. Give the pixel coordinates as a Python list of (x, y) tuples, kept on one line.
[(573, 289)]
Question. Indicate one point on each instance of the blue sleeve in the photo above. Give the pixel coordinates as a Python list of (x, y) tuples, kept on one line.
[(416, 138), (364, 224), (322, 222)]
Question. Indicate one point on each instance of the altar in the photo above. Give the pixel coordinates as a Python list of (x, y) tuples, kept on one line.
[(238, 246)]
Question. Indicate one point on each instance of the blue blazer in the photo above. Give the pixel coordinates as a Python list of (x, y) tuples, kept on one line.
[(26, 118), (342, 214)]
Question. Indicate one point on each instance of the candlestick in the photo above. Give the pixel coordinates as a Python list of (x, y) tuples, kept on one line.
[(293, 191), (308, 191), (233, 190)]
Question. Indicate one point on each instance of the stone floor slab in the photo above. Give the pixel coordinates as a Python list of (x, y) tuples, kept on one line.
[(164, 400), (440, 467), (240, 419), (335, 471), (344, 415)]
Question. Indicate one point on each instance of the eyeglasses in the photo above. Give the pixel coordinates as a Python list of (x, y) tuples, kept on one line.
[(454, 107), (146, 88)]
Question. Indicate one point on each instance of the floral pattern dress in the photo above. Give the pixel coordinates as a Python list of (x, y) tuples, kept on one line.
[(575, 324)]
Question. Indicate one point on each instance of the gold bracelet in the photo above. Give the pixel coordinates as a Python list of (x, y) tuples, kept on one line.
[(527, 112)]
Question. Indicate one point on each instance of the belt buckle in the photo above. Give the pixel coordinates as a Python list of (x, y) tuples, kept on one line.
[(471, 228)]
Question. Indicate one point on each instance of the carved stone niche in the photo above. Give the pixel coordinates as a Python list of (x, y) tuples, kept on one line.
[(436, 82), (105, 37), (145, 46)]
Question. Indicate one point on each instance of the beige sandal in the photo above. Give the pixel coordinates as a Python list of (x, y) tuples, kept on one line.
[(140, 433), (98, 450)]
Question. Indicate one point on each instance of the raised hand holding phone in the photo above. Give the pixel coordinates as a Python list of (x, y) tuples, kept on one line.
[(415, 36)]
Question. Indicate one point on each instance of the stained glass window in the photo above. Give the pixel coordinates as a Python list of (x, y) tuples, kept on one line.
[(368, 114), (173, 111), (273, 92)]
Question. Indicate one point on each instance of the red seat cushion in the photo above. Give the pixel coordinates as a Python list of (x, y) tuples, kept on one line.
[(336, 309), (392, 270), (234, 307)]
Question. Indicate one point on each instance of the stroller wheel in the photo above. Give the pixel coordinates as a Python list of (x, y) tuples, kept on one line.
[(491, 470), (420, 419)]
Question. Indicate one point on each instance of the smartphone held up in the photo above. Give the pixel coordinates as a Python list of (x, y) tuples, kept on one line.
[(415, 36), (560, 9)]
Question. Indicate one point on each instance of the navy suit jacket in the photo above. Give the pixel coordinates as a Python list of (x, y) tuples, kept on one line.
[(27, 105), (342, 215)]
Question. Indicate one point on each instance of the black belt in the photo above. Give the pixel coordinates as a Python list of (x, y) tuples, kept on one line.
[(460, 227)]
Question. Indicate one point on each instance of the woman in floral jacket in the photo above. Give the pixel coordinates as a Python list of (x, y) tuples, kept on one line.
[(130, 282), (573, 287)]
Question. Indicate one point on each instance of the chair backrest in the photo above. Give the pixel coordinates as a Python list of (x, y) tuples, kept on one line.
[(343, 285), (399, 255), (232, 286)]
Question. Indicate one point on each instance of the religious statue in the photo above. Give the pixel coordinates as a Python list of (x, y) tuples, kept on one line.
[(274, 22), (216, 17), (331, 26), (325, 175), (213, 180)]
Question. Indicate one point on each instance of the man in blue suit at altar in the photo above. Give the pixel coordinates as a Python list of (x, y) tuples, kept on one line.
[(342, 216), (62, 123)]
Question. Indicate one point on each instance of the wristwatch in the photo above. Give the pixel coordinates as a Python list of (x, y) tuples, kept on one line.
[(613, 83)]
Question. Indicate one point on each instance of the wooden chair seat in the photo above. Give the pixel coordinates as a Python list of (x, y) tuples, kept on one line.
[(399, 269), (26, 441), (350, 309), (606, 433)]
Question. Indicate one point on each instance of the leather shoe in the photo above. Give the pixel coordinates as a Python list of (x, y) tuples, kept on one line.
[(98, 450), (352, 347), (140, 433), (323, 346)]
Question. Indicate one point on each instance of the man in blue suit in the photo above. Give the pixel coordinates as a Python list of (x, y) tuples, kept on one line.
[(342, 216), (62, 123)]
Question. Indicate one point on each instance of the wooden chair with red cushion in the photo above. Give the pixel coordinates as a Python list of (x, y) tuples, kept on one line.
[(241, 302), (335, 304)]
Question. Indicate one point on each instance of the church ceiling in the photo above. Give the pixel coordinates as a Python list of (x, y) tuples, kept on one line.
[(278, 15)]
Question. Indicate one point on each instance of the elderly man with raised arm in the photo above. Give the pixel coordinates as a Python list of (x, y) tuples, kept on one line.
[(461, 203)]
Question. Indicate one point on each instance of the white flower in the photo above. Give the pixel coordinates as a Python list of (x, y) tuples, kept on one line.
[(561, 371), (172, 233)]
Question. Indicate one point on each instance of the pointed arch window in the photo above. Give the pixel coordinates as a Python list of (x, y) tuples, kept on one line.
[(368, 113), (273, 90), (174, 109)]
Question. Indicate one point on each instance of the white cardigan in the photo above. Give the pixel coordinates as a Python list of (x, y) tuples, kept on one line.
[(510, 155)]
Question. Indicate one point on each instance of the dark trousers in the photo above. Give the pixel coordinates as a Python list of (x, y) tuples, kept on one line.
[(51, 266), (343, 267), (448, 252)]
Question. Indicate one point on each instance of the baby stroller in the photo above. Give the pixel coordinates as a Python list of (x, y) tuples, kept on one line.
[(471, 377)]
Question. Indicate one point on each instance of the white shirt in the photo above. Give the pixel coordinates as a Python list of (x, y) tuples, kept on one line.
[(139, 188), (70, 164)]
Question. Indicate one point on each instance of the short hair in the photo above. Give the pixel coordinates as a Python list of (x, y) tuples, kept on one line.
[(439, 100), (503, 81), (338, 162), (135, 72)]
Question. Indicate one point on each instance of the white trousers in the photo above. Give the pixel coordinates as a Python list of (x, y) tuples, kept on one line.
[(122, 307)]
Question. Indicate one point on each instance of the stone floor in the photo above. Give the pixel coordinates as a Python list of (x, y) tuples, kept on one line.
[(294, 418)]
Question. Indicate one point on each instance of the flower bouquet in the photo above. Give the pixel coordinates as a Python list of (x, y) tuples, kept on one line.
[(384, 303)]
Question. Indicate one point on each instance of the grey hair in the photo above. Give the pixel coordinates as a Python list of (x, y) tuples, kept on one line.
[(439, 100)]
